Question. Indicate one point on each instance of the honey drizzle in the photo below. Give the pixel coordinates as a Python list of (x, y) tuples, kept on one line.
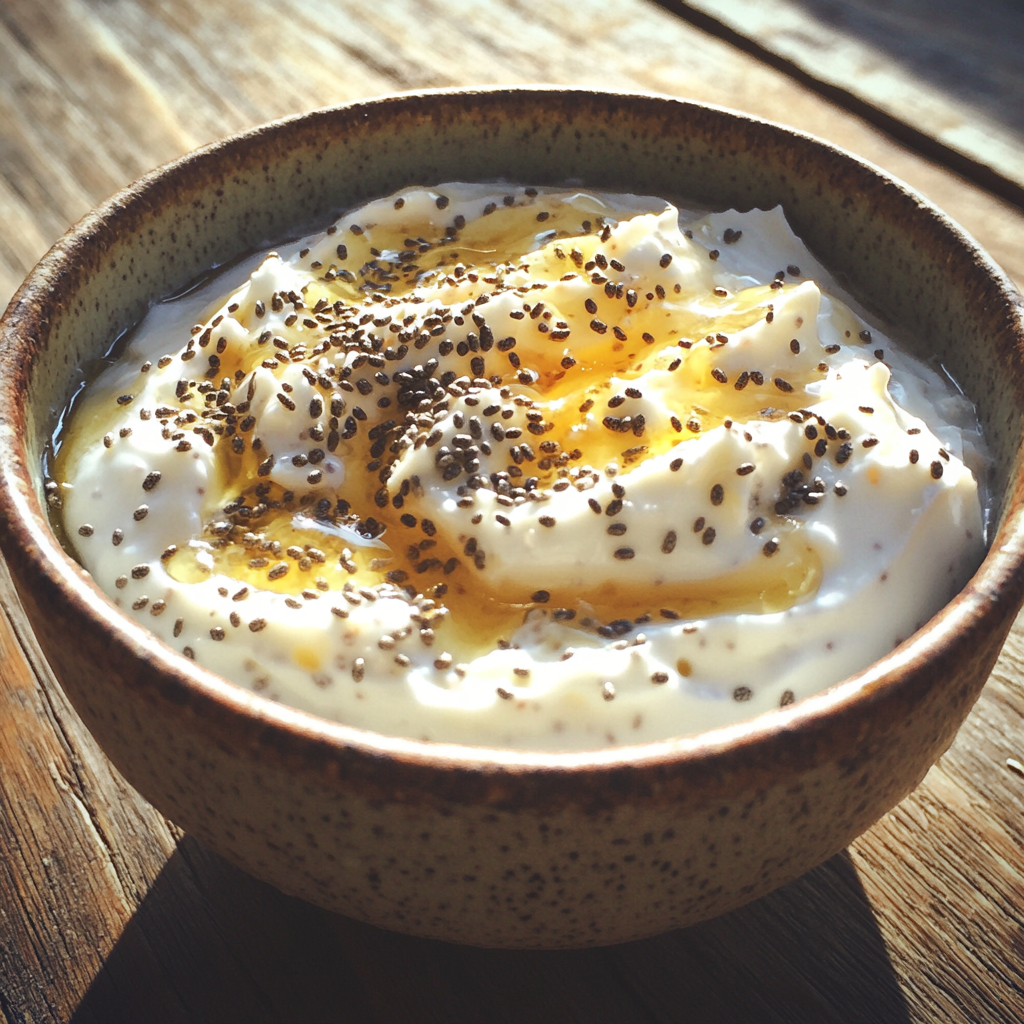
[(480, 616)]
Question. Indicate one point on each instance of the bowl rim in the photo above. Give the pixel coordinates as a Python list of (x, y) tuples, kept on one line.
[(27, 539)]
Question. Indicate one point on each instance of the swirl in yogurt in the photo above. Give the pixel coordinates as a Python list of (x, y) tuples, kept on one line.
[(525, 468)]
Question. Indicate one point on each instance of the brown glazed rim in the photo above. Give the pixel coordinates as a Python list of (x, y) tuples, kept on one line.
[(790, 739)]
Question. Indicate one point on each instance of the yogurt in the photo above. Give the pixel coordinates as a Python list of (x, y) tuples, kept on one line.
[(518, 467)]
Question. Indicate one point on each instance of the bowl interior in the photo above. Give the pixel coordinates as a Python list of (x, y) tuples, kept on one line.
[(901, 258)]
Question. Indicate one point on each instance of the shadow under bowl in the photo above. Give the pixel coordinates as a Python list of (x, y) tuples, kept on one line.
[(493, 847)]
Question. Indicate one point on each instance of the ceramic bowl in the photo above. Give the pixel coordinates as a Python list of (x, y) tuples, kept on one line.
[(492, 847)]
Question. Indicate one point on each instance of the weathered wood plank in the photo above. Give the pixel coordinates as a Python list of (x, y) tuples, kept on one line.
[(78, 848), (941, 75), (107, 913)]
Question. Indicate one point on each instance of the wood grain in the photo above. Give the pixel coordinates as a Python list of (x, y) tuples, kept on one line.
[(943, 76), (108, 913)]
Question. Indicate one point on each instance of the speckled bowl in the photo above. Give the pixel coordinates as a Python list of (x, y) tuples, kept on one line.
[(487, 846)]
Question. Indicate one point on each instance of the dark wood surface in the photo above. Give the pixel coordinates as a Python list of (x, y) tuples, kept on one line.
[(109, 913), (943, 76)]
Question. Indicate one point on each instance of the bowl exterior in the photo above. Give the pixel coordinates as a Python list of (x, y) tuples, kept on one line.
[(489, 847), (515, 856)]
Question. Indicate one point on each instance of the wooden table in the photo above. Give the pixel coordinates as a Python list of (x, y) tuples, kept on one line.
[(108, 912)]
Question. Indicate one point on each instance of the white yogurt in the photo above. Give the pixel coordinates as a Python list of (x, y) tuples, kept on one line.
[(549, 470)]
